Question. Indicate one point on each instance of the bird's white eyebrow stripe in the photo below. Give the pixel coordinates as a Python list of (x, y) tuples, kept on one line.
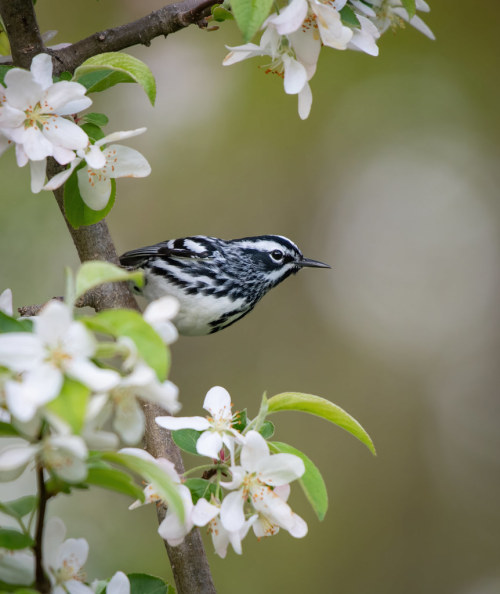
[(194, 246), (264, 245)]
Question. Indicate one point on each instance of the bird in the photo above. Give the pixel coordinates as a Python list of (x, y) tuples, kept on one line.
[(216, 281)]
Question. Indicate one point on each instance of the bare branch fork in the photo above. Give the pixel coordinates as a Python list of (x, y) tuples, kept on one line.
[(188, 560)]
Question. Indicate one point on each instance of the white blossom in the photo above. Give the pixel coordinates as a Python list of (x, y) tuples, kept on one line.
[(32, 115), (57, 347), (389, 13), (217, 428), (17, 567), (256, 481), (102, 165), (295, 67), (143, 383), (159, 314), (64, 455), (6, 302), (64, 559)]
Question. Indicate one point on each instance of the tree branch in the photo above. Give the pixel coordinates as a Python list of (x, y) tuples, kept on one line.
[(164, 21), (22, 30)]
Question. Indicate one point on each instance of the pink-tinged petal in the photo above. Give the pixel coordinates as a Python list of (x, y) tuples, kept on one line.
[(203, 512), (95, 188), (176, 423), (60, 178), (129, 420), (22, 91), (20, 351), (209, 444), (295, 75), (41, 70), (95, 157), (231, 512), (123, 161), (37, 170), (6, 302), (283, 491), (305, 102), (218, 403), (95, 378), (65, 93), (116, 136), (280, 469), (118, 584), (299, 527), (290, 18), (53, 322), (35, 145), (254, 452), (64, 133)]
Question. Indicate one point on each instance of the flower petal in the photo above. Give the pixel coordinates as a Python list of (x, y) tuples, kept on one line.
[(280, 469), (254, 452), (218, 403), (41, 70), (203, 512), (176, 423), (209, 444), (123, 161), (295, 75), (95, 187), (290, 18), (231, 511), (37, 169), (62, 132), (20, 351)]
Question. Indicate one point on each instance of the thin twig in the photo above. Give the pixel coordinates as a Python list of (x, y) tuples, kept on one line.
[(42, 581)]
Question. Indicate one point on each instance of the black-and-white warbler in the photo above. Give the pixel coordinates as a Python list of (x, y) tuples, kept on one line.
[(216, 281)]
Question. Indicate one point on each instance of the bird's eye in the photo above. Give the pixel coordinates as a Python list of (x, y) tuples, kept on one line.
[(277, 255)]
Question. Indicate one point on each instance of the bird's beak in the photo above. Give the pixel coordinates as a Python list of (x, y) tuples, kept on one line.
[(306, 262)]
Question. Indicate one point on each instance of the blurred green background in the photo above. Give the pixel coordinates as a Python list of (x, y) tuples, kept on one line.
[(393, 180)]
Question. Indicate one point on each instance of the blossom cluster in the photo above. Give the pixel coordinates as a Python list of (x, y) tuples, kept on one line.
[(293, 37), (39, 117), (57, 392), (255, 496)]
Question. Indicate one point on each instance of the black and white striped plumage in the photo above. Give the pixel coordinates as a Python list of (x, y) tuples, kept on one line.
[(216, 281)]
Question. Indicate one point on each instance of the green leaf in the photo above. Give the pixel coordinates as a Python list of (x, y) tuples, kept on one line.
[(221, 14), (3, 71), (7, 430), (106, 70), (26, 591), (321, 408), (240, 420), (200, 488), (8, 324), (267, 429), (19, 507), (94, 273), (126, 322), (14, 540), (186, 439), (99, 119), (311, 481), (410, 7), (349, 17), (163, 484), (250, 14), (93, 131), (71, 404), (114, 480), (66, 75), (77, 212), (142, 583)]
